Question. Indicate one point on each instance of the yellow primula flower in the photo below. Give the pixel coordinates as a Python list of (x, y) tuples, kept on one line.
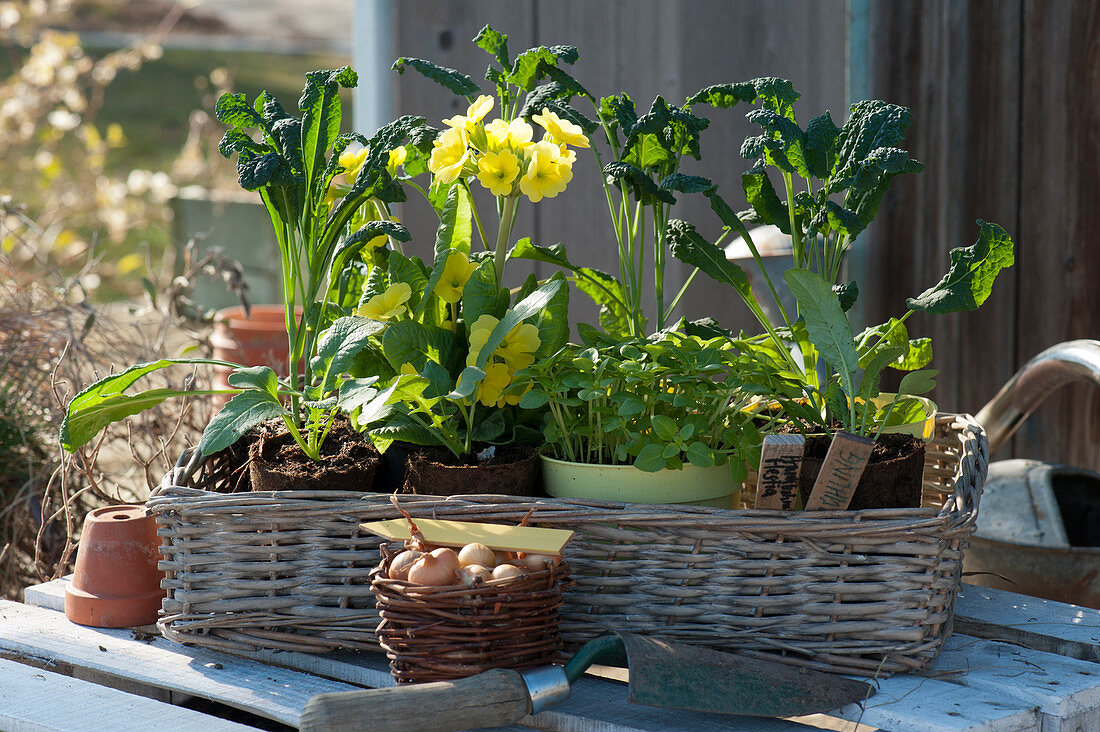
[(561, 130), (490, 391), (544, 178), (474, 114), (516, 350), (497, 171), (515, 135), (450, 155), (387, 306), (397, 159), (518, 347), (456, 272), (352, 162)]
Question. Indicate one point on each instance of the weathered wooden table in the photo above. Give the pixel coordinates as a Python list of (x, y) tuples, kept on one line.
[(1014, 663)]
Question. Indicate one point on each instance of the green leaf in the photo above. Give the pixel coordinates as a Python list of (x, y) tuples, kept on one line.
[(618, 113), (969, 281), (528, 67), (105, 402), (820, 146), (354, 393), (340, 344), (239, 415), (918, 382), (724, 96), (495, 44), (777, 95), (255, 377), (641, 185), (553, 321), (699, 454), (270, 168), (919, 356), (706, 328), (235, 111), (456, 224), (481, 296), (321, 116), (762, 197), (467, 383), (848, 293), (410, 271), (689, 247), (354, 244), (826, 323), (534, 399), (407, 341), (489, 428), (630, 406), (889, 335), (523, 310), (686, 183), (664, 428), (650, 458), (456, 81)]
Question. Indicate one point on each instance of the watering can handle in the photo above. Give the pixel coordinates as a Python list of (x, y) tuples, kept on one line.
[(1057, 366), (498, 697)]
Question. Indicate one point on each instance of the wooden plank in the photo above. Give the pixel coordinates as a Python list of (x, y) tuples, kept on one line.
[(1031, 622), (1066, 690), (26, 691), (956, 66), (1057, 257), (907, 703), (273, 693)]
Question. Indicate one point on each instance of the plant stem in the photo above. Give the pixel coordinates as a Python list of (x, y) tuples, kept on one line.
[(796, 235), (477, 217), (507, 217)]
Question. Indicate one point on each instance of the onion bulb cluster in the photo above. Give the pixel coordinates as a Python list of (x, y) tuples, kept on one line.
[(473, 564)]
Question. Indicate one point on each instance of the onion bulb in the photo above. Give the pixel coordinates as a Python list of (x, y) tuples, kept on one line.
[(477, 553), (538, 562), (471, 574), (399, 567), (508, 571), (436, 569)]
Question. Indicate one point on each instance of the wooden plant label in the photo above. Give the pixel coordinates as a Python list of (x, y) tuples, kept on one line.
[(840, 473), (780, 464)]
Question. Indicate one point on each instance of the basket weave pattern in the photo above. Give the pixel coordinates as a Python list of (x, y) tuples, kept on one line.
[(445, 633), (866, 592)]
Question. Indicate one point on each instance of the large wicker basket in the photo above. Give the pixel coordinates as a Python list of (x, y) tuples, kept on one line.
[(869, 592)]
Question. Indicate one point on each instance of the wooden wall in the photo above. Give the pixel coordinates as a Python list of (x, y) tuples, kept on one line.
[(1006, 105)]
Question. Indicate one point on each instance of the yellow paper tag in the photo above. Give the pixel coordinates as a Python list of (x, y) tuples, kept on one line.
[(530, 539)]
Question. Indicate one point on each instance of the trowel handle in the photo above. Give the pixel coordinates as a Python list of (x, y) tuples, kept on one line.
[(495, 698)]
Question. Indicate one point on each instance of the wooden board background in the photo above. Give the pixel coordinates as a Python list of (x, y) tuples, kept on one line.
[(1006, 105)]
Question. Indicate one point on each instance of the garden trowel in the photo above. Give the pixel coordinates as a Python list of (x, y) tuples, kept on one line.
[(661, 674)]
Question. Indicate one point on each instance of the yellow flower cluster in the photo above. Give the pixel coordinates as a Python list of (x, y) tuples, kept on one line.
[(390, 305), (502, 154), (515, 352)]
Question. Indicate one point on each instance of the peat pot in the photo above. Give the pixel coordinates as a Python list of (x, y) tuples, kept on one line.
[(513, 472), (691, 485)]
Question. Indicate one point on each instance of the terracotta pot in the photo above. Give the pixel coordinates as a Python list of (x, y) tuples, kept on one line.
[(116, 583), (516, 474), (259, 340)]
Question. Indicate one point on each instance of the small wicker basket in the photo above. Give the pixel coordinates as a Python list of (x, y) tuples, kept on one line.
[(864, 592), (445, 633)]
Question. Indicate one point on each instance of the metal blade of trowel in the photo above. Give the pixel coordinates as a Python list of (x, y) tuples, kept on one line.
[(700, 679)]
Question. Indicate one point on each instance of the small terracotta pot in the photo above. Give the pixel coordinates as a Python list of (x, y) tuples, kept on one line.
[(259, 340), (116, 583)]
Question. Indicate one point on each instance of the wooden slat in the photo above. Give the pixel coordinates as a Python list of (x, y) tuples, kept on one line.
[(28, 696), (955, 65), (273, 693), (1058, 257), (1066, 690), (1044, 625)]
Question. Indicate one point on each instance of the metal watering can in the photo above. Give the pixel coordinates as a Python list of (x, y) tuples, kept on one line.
[(1038, 529)]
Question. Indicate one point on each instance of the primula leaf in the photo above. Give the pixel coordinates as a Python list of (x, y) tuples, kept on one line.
[(467, 383), (523, 310), (105, 402), (495, 44), (354, 393), (553, 321), (434, 276), (826, 324), (481, 296), (456, 225), (410, 271), (339, 346), (239, 415), (490, 428), (969, 281), (407, 341), (456, 81)]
